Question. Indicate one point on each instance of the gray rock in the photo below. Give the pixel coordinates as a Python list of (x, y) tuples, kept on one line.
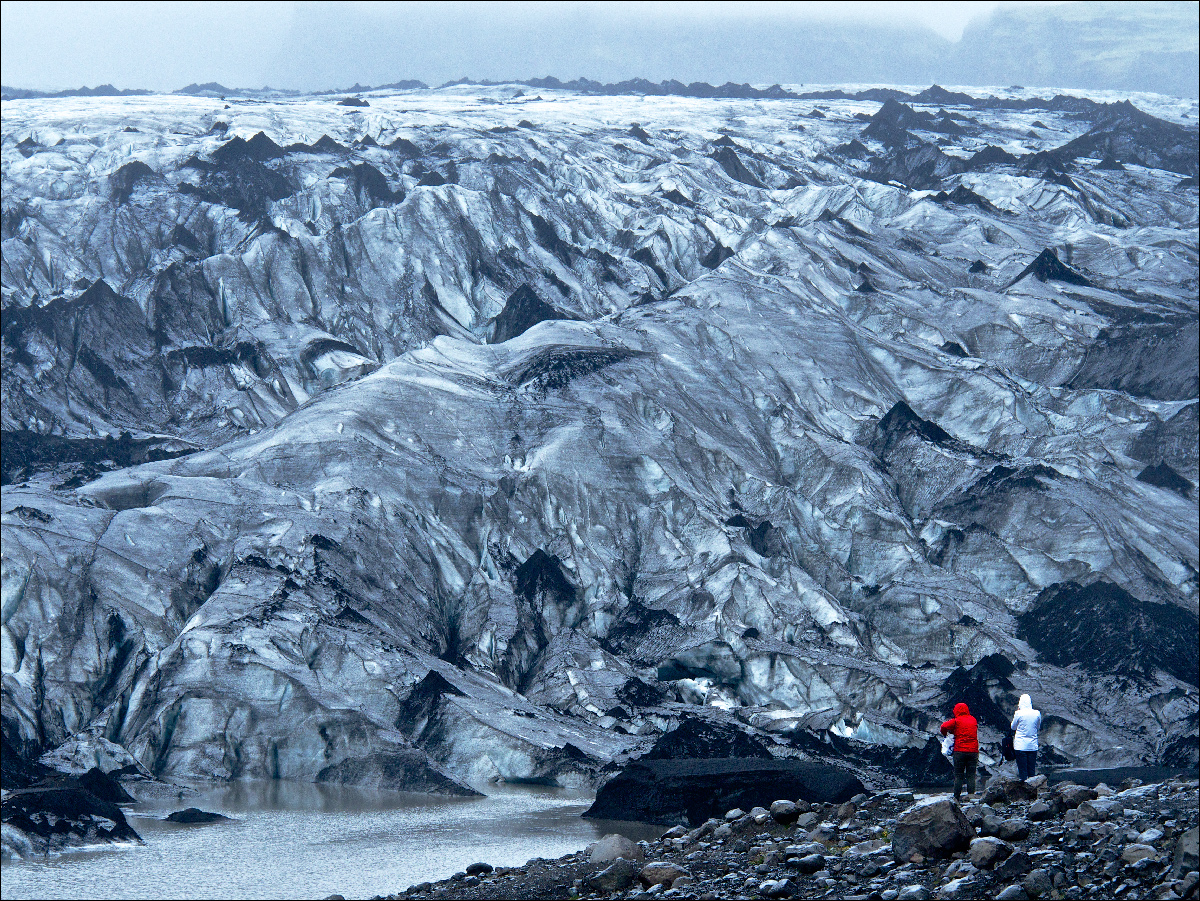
[(986, 853), (825, 833), (736, 814), (960, 868), (613, 846), (661, 872), (1006, 790), (810, 863), (1037, 884), (990, 824), (914, 893), (932, 829), (1101, 809), (807, 820), (958, 889), (1018, 864), (1135, 852), (869, 846), (1013, 829), (778, 888), (1186, 857), (1186, 887), (617, 877), (1011, 893), (1074, 795), (785, 812), (1039, 810)]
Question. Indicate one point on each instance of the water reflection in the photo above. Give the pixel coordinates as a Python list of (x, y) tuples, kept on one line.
[(293, 840)]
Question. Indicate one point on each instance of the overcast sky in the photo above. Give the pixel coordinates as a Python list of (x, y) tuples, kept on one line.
[(164, 46)]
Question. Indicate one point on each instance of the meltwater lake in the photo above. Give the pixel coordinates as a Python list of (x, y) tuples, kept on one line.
[(294, 840)]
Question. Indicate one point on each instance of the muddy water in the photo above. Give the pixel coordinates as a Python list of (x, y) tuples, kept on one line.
[(293, 840)]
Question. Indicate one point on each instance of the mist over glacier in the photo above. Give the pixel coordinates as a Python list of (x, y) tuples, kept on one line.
[(486, 433)]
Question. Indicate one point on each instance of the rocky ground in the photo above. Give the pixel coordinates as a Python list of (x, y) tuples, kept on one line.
[(1018, 840)]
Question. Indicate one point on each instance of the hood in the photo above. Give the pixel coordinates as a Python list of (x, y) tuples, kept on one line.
[(961, 709), (1024, 703)]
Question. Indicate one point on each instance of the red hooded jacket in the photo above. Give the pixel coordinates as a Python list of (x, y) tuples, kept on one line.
[(965, 729)]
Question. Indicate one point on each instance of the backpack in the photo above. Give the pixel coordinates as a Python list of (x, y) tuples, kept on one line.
[(1007, 751)]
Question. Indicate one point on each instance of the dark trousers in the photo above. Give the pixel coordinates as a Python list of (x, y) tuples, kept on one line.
[(965, 764), (1026, 764)]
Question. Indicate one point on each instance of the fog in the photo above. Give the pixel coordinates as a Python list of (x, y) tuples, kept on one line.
[(309, 46)]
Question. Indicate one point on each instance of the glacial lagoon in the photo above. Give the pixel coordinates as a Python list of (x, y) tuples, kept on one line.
[(295, 840)]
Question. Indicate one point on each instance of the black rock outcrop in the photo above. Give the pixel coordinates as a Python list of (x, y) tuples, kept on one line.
[(194, 816), (1048, 267), (1163, 476), (522, 311), (1102, 628), (64, 817), (691, 791)]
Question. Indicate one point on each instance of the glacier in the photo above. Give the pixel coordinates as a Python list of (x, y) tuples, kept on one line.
[(475, 436)]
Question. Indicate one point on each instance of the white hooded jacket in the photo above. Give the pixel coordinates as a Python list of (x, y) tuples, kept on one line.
[(1026, 723)]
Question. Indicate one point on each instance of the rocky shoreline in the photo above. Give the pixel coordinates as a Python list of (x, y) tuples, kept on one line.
[(1016, 841)]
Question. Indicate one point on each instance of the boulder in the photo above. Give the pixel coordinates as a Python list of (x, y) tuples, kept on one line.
[(1006, 790), (784, 812), (661, 872), (870, 846), (809, 863), (1043, 810), (479, 869), (1011, 893), (1014, 829), (1185, 858), (777, 888), (825, 834), (807, 820), (990, 824), (194, 816), (913, 893), (986, 853), (1037, 884), (1101, 809), (962, 888), (1073, 795), (931, 829), (613, 846), (617, 877), (1136, 851), (674, 791), (1018, 864)]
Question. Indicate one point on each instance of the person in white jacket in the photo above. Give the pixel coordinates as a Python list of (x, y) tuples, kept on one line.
[(1025, 725)]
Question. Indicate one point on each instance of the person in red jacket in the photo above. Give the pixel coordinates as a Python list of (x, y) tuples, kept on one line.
[(966, 748)]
